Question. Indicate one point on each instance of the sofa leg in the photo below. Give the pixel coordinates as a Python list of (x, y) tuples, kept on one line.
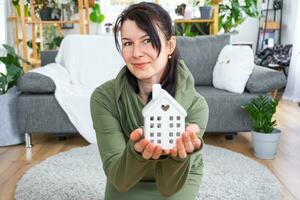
[(62, 138), (229, 136), (28, 143)]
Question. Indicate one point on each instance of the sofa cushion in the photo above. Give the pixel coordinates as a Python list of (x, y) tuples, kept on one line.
[(233, 68), (48, 57), (263, 80), (200, 54), (225, 112), (33, 82)]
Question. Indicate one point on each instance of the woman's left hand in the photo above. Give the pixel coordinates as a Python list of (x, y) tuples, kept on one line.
[(188, 142)]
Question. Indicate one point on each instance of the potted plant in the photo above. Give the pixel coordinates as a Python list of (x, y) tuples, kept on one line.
[(232, 13), (265, 137), (205, 9), (96, 16), (10, 70)]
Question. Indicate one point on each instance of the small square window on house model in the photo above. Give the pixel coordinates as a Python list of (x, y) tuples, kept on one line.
[(164, 118)]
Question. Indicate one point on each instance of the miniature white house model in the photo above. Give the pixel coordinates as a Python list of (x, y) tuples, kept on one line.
[(164, 118)]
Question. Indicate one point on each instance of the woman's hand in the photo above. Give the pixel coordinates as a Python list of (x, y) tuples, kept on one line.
[(144, 146), (188, 142)]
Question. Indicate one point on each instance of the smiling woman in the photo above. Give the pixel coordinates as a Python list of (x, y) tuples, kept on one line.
[(134, 165)]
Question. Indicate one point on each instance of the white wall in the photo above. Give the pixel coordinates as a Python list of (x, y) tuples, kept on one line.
[(288, 21), (3, 25), (247, 32)]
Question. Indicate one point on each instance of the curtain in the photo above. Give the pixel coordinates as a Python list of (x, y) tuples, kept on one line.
[(292, 90)]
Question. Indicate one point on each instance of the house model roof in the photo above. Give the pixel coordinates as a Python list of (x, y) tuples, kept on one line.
[(158, 95)]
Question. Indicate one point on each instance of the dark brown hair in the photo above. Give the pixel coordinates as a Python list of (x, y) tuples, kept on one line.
[(147, 16)]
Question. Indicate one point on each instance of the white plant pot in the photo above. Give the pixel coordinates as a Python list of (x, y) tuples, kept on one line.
[(96, 29), (265, 144), (9, 133)]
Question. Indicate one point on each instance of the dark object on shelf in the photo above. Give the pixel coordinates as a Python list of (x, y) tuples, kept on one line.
[(277, 4), (180, 9), (205, 12), (45, 14), (67, 10)]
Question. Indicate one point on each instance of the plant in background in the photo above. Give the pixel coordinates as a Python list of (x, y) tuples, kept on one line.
[(96, 16), (261, 109), (52, 38), (18, 9), (233, 13), (13, 68)]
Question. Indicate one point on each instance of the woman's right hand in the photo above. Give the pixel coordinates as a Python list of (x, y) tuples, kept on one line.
[(147, 149)]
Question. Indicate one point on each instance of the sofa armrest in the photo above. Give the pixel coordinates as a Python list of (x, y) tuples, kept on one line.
[(33, 82), (263, 80)]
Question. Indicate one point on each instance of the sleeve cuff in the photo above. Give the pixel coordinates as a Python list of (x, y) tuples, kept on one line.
[(133, 152)]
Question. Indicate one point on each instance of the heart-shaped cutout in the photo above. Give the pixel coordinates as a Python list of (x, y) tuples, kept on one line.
[(165, 107)]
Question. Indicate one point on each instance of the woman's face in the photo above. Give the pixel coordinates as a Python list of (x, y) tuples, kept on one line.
[(139, 54)]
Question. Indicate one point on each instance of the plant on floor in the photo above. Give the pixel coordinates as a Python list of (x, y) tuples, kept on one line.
[(13, 68), (261, 109), (233, 13)]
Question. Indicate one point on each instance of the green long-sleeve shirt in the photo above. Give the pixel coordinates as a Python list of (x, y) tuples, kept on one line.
[(116, 112)]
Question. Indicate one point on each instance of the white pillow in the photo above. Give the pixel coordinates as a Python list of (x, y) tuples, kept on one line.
[(233, 68)]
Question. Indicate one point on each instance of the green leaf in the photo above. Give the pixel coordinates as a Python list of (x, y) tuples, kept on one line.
[(96, 16), (261, 110)]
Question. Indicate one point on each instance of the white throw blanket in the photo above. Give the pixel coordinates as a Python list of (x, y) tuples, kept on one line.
[(83, 63)]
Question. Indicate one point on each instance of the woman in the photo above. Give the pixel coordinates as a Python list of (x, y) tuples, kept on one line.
[(136, 168)]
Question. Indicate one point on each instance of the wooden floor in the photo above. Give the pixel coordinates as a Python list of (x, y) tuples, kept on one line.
[(16, 160)]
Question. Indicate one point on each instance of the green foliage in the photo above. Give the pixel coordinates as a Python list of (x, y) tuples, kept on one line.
[(261, 109), (191, 29), (13, 67), (96, 16), (18, 8), (234, 13), (52, 38)]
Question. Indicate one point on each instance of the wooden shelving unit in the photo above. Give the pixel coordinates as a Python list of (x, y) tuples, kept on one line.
[(37, 26), (213, 22)]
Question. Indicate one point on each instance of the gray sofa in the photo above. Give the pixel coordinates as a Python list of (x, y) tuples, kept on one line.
[(39, 112)]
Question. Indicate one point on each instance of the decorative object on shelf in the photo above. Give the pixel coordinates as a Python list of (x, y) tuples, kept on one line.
[(234, 13), (45, 9), (97, 17), (108, 27), (9, 134), (67, 10), (205, 9), (164, 118), (180, 9), (265, 137), (277, 4)]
